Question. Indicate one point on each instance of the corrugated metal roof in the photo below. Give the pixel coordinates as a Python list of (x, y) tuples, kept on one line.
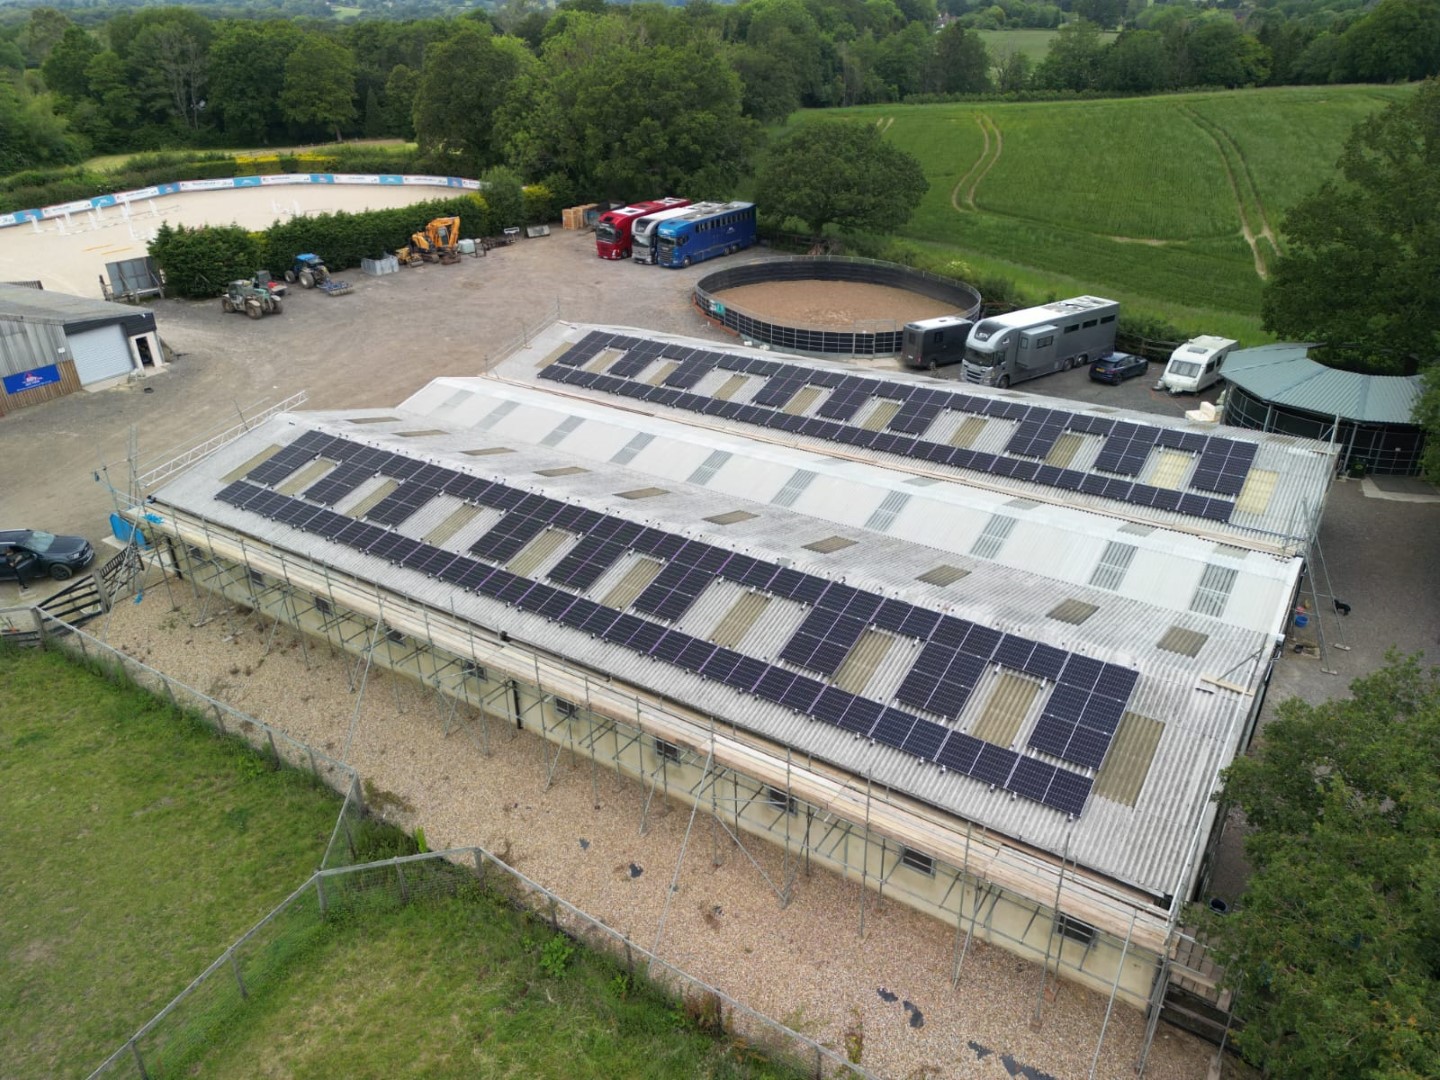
[(66, 310), (1063, 544), (1285, 374), (1147, 845), (1282, 520)]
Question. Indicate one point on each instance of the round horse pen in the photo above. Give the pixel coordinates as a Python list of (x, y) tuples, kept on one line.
[(829, 304)]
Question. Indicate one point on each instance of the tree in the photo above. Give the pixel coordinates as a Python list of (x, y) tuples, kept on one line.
[(43, 32), (1073, 60), (961, 64), (246, 76), (1333, 948), (1400, 39), (621, 119), (771, 90), (1137, 62), (1218, 53), (462, 85), (64, 69), (319, 84), (1362, 261), (1012, 71), (840, 173)]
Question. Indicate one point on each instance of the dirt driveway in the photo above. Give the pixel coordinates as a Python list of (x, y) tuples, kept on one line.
[(374, 347)]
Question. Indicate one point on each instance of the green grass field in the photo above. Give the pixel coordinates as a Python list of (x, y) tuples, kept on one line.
[(1033, 43), (1172, 205), (137, 848), (465, 986)]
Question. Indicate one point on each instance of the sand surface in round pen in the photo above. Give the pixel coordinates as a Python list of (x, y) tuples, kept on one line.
[(577, 830), (70, 256), (831, 304)]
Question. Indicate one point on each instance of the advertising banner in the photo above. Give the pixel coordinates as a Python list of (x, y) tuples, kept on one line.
[(29, 380)]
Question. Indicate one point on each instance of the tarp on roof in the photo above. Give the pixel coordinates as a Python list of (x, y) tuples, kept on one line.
[(1285, 375)]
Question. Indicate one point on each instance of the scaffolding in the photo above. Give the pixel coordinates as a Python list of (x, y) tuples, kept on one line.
[(739, 786)]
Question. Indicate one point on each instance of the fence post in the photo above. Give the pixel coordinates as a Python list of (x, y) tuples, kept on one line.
[(320, 893), (219, 718), (274, 752), (314, 768), (239, 980), (554, 916), (404, 889), (139, 1061), (480, 866)]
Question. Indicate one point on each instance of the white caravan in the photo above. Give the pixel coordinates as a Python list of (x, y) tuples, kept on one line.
[(1196, 365)]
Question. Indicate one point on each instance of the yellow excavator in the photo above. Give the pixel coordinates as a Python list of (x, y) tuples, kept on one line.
[(438, 243)]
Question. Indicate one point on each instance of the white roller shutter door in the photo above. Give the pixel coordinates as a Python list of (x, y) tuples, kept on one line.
[(100, 354)]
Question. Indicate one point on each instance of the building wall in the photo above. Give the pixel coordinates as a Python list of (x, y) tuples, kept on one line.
[(101, 355), (807, 835), (26, 345)]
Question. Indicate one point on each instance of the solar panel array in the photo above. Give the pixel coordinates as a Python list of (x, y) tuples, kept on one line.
[(1221, 469), (953, 657)]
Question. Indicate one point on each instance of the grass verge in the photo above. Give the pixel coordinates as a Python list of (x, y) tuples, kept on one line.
[(138, 845)]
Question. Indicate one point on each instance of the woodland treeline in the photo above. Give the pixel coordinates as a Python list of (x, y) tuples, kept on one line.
[(645, 94)]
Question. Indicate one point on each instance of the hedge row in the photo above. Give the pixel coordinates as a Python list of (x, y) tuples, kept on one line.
[(199, 262), (47, 187)]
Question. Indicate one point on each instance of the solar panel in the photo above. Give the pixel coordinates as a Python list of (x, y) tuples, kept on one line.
[(993, 765), (1032, 778), (959, 753), (1068, 792)]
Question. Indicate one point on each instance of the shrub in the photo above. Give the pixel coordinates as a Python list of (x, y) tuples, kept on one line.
[(199, 262)]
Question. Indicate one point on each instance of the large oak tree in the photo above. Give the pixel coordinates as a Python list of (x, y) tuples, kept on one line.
[(841, 173)]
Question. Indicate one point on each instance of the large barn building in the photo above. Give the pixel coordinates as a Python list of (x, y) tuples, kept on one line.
[(986, 651)]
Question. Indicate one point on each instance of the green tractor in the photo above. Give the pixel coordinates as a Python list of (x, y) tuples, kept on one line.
[(254, 301), (309, 270)]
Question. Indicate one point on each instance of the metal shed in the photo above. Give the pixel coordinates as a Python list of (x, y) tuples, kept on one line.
[(1368, 418), (54, 343)]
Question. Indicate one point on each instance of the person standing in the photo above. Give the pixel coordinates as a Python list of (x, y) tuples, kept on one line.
[(21, 565)]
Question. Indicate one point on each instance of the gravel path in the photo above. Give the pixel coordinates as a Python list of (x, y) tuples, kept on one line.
[(832, 304), (804, 964)]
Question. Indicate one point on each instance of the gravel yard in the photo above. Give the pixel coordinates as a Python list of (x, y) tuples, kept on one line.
[(804, 964), (828, 305)]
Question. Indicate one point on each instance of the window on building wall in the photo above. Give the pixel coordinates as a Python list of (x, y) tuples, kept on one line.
[(323, 606), (777, 798), (567, 709), (471, 670), (918, 861), (666, 751), (1076, 930), (396, 637), (256, 578)]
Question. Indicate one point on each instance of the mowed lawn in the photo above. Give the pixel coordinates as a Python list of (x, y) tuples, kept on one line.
[(1143, 199), (137, 848)]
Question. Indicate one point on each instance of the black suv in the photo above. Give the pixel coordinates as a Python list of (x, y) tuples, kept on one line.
[(60, 557)]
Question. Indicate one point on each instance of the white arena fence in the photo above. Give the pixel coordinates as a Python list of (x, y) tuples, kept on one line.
[(99, 203)]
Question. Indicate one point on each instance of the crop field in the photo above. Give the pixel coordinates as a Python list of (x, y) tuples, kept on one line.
[(1173, 205), (137, 848)]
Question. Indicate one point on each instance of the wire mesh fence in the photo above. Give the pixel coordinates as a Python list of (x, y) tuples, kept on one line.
[(342, 892), (175, 1041)]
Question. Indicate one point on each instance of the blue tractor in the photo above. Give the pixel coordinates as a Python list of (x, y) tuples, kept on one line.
[(309, 270)]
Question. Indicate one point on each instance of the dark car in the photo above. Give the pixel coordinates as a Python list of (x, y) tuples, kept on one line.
[(1117, 367), (60, 557)]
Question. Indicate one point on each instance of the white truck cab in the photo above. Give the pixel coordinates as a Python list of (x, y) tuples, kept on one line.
[(1195, 365)]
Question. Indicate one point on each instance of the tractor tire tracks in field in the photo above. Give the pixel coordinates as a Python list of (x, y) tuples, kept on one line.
[(1243, 190), (994, 141)]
